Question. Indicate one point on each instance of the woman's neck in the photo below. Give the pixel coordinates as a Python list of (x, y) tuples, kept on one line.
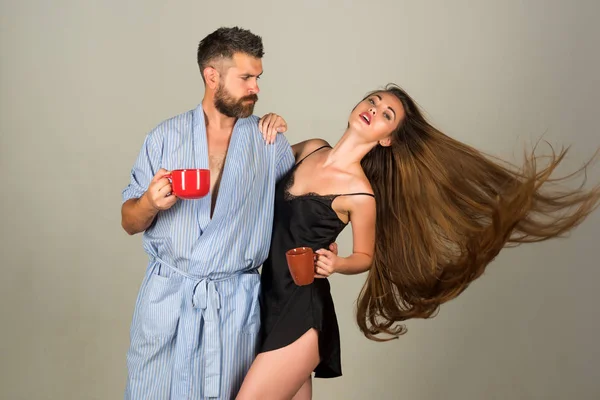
[(348, 151)]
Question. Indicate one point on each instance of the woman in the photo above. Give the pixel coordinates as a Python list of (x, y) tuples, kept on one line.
[(440, 211)]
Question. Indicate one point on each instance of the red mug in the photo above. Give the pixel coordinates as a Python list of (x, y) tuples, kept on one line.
[(301, 262), (189, 183)]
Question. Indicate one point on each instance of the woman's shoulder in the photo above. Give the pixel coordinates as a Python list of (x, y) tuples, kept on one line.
[(306, 147), (359, 186)]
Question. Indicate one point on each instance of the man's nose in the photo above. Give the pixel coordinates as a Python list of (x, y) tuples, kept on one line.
[(254, 89)]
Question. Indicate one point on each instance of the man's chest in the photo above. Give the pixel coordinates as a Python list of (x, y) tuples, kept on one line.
[(218, 146)]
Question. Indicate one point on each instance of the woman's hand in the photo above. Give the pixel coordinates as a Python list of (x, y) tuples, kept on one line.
[(270, 125), (327, 262)]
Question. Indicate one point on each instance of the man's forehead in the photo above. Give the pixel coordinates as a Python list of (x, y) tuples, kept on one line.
[(247, 63)]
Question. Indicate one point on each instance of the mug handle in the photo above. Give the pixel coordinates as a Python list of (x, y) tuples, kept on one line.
[(169, 176)]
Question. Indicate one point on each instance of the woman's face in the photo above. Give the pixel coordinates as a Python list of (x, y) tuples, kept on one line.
[(377, 116)]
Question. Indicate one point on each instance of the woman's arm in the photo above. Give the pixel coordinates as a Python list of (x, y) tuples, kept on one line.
[(362, 217)]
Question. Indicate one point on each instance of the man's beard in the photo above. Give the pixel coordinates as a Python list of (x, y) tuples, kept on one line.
[(227, 105)]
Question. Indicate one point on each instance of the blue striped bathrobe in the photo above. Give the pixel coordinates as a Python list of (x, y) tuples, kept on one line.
[(196, 321)]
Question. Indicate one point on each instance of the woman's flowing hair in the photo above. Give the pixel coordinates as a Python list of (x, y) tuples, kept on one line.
[(444, 212)]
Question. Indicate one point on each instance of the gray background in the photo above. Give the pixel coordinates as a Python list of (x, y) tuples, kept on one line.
[(82, 82)]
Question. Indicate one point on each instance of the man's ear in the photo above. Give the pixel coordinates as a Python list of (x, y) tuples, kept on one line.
[(211, 76)]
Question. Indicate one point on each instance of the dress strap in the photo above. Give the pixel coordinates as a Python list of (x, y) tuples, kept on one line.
[(357, 194), (312, 152)]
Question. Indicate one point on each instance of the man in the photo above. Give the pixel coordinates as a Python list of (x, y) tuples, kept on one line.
[(196, 320)]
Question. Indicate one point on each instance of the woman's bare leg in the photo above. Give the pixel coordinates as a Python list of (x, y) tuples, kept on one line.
[(281, 373), (305, 392)]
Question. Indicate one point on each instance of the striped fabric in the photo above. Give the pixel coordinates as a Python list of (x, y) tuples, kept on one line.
[(196, 321)]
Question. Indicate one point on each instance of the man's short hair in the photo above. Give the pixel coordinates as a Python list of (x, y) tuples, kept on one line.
[(224, 42)]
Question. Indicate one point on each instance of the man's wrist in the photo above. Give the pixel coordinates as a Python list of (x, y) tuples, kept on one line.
[(145, 204)]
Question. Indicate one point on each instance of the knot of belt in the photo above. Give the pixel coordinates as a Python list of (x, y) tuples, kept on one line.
[(205, 298)]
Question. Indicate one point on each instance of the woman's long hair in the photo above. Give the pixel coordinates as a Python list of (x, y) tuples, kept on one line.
[(444, 212)]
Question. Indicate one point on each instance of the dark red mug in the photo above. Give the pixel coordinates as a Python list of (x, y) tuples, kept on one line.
[(301, 262), (190, 184)]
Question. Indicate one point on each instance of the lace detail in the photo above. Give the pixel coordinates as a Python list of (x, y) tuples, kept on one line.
[(289, 182)]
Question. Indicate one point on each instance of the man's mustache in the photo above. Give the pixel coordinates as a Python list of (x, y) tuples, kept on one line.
[(252, 97)]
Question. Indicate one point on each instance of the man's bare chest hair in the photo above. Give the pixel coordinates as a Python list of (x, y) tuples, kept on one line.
[(216, 162)]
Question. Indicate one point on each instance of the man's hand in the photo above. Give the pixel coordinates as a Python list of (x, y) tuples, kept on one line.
[(159, 194), (137, 214), (270, 125)]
